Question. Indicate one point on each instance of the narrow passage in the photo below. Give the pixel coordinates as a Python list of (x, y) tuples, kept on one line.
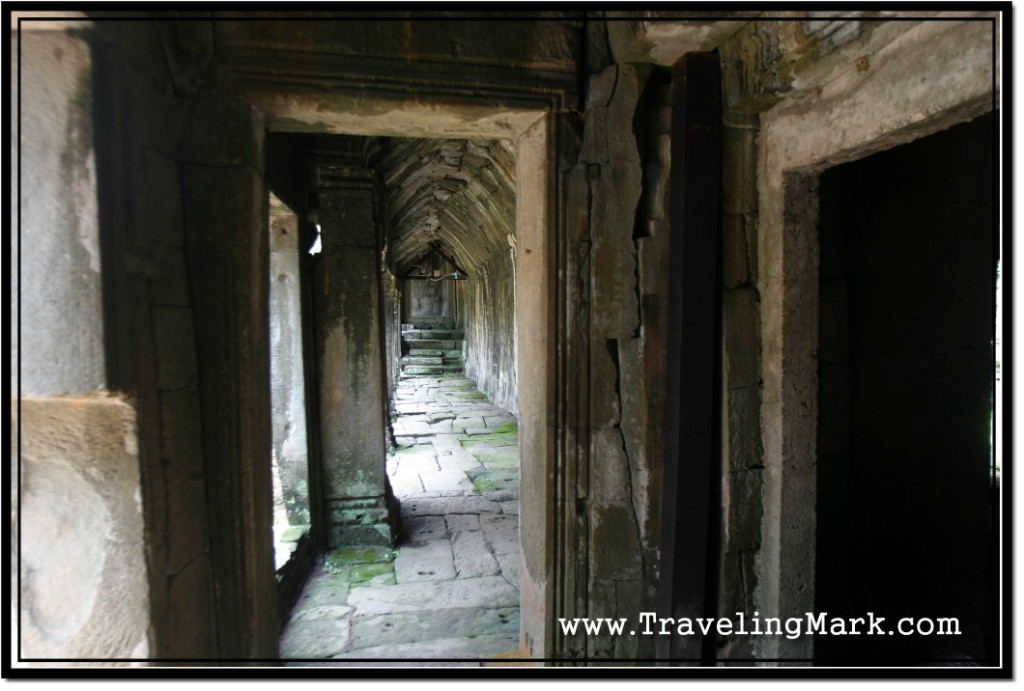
[(450, 586)]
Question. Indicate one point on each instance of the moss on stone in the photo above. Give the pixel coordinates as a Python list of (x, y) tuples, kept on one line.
[(346, 556), (501, 439), (365, 572), (497, 459)]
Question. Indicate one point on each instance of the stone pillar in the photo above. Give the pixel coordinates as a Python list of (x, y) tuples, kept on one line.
[(350, 353), (287, 383)]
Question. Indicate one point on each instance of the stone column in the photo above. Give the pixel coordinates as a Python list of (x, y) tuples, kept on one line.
[(287, 382), (350, 353)]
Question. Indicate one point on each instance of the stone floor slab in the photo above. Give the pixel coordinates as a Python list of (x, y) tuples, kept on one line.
[(403, 628), (424, 561), (510, 508), (446, 479), (315, 639), (442, 506), (509, 563), (502, 532), (485, 592), (473, 556), (469, 648), (423, 528), (461, 522)]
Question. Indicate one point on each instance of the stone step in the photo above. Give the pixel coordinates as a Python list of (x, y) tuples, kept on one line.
[(432, 334), (434, 344), (427, 324), (453, 361), (409, 360), (422, 369), (421, 352)]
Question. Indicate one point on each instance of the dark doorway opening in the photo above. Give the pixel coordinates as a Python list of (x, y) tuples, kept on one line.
[(906, 494)]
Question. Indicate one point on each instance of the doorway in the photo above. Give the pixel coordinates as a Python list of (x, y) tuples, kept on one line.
[(906, 503), (528, 228)]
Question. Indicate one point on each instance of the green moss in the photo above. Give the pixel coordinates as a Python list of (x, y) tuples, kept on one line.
[(506, 428), (346, 556), (366, 572), (490, 440), (497, 459), (469, 395)]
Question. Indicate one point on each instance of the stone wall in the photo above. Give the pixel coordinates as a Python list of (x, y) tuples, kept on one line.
[(615, 225), (424, 298), (487, 311), (78, 552), (61, 327), (742, 460), (827, 92)]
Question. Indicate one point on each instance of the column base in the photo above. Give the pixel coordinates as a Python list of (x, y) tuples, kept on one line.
[(361, 521)]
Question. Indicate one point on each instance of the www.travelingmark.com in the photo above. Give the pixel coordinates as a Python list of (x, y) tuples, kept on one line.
[(650, 624)]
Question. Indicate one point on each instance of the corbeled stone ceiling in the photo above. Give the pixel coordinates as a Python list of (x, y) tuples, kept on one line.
[(458, 192)]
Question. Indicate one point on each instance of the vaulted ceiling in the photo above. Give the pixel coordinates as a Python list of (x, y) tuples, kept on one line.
[(456, 192)]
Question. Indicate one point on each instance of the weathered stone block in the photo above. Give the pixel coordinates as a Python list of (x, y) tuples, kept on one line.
[(605, 407), (739, 170), (84, 590), (365, 520), (615, 544), (181, 432), (221, 132), (186, 522), (743, 512), (628, 602), (375, 534), (743, 446), (615, 194), (741, 325), (190, 629), (735, 259), (176, 359), (610, 476)]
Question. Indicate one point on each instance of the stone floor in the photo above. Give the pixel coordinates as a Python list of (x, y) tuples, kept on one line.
[(449, 589)]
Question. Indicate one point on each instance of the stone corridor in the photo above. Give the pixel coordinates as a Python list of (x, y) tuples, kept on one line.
[(449, 589)]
